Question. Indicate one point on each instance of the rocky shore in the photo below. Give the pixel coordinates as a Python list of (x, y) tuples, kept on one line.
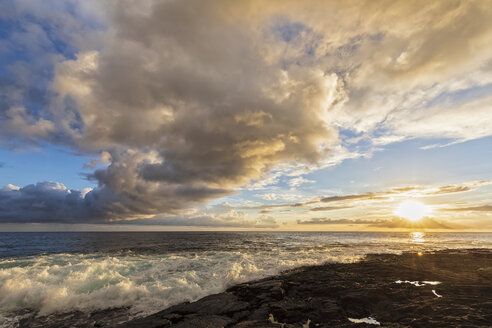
[(444, 289)]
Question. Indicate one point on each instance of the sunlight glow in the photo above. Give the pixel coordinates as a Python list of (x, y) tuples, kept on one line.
[(417, 237), (412, 210)]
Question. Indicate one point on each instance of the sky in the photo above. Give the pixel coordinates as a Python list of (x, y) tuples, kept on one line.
[(245, 115)]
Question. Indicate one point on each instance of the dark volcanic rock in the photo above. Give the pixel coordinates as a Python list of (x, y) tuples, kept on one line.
[(328, 295), (214, 304)]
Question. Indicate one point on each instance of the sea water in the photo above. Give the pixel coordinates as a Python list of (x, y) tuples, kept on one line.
[(59, 272)]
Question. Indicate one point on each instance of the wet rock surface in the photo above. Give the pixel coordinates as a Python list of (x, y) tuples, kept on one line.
[(329, 295)]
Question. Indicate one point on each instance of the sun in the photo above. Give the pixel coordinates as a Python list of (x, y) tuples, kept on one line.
[(412, 210)]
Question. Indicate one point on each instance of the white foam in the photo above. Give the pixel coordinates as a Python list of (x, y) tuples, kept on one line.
[(148, 283), (368, 320), (416, 283), (145, 283), (435, 293)]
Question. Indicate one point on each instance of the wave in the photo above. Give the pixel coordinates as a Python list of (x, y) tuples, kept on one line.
[(146, 283)]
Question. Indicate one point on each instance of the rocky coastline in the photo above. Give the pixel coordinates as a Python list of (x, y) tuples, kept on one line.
[(451, 288)]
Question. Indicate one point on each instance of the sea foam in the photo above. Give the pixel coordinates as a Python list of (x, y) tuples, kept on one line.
[(141, 273), (145, 284)]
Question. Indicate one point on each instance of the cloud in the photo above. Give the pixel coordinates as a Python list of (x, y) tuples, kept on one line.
[(53, 202), (209, 221), (36, 37), (328, 208), (41, 202), (365, 196), (347, 201), (105, 158), (449, 189), (339, 221), (237, 96), (2, 164), (208, 120), (10, 187), (279, 195), (424, 223), (480, 208), (20, 122), (296, 182)]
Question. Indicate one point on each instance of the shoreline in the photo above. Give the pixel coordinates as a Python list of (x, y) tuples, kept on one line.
[(449, 288)]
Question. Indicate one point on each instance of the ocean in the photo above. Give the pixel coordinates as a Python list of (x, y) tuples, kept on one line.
[(59, 272)]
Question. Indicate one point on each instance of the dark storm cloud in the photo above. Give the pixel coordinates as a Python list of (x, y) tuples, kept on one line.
[(186, 112), (43, 202), (53, 202)]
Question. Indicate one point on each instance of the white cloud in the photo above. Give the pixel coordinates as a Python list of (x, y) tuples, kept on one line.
[(296, 182)]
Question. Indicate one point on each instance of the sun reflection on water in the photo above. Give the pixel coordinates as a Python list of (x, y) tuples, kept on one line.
[(417, 237)]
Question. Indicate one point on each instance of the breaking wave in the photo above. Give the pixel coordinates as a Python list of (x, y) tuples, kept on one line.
[(147, 282)]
